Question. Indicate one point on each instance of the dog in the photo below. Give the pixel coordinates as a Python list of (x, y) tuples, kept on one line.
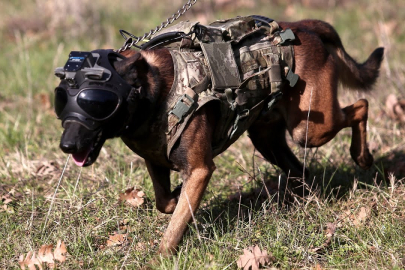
[(309, 111)]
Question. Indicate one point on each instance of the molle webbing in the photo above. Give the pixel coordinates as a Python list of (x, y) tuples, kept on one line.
[(240, 63)]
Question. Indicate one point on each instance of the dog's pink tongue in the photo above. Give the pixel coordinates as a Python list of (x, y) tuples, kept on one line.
[(80, 158)]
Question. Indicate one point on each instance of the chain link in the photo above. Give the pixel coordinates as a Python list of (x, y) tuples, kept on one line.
[(129, 42)]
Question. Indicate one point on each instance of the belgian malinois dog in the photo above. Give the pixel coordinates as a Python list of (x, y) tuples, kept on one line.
[(321, 62)]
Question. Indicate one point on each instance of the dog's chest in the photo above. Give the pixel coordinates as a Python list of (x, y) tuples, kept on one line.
[(149, 148)]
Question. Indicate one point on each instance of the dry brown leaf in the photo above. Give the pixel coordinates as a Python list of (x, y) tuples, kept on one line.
[(30, 261), (124, 222), (60, 252), (45, 256), (356, 218), (117, 239), (46, 168), (395, 108), (7, 198), (253, 258), (123, 226), (318, 267), (361, 216), (132, 196), (330, 232)]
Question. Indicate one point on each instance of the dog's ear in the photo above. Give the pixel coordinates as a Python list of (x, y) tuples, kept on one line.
[(132, 69)]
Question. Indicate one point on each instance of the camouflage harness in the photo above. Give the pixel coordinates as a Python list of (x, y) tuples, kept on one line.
[(240, 63)]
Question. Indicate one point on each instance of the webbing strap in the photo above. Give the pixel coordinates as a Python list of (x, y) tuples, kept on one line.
[(245, 82), (201, 86)]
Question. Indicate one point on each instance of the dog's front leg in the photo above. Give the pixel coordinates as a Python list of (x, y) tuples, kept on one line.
[(190, 198), (195, 154), (166, 201)]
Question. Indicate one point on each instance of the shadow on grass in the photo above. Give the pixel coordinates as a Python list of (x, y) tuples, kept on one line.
[(329, 183)]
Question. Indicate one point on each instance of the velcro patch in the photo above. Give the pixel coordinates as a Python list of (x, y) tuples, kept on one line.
[(222, 65)]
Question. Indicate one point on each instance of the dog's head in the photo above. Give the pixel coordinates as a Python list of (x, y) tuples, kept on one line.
[(94, 101)]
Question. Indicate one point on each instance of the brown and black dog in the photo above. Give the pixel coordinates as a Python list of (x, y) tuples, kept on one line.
[(321, 63)]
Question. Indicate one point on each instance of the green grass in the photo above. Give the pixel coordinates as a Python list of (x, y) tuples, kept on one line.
[(85, 210)]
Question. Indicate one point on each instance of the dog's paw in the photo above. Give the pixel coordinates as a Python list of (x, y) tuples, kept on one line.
[(364, 160), (166, 205)]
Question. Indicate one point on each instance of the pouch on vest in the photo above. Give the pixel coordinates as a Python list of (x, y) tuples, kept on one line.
[(222, 65), (231, 29)]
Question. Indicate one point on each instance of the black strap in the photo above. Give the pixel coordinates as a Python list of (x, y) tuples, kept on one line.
[(163, 39), (260, 20)]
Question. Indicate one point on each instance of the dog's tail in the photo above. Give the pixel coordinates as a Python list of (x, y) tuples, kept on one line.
[(351, 73)]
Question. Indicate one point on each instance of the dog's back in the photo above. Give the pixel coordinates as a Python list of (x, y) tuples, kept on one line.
[(351, 74)]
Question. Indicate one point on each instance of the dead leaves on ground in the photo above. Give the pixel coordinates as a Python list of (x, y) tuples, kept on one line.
[(47, 168), (44, 257), (360, 216), (253, 258), (7, 199), (41, 169), (355, 218), (330, 232), (133, 197), (120, 237), (117, 239)]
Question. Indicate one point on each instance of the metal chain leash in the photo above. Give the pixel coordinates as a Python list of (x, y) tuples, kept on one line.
[(132, 40)]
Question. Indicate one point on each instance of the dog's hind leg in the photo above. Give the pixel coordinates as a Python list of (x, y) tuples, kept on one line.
[(268, 136), (166, 201), (356, 118), (314, 112)]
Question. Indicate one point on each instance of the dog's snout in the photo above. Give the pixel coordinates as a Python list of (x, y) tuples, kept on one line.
[(68, 147), (75, 137)]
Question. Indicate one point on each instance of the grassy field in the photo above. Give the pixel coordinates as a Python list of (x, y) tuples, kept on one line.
[(353, 219)]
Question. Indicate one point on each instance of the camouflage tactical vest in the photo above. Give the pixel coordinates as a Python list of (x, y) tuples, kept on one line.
[(240, 63)]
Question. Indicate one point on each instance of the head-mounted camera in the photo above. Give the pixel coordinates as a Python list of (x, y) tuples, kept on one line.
[(90, 91)]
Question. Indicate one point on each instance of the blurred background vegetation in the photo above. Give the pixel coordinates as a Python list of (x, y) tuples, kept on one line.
[(36, 36)]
